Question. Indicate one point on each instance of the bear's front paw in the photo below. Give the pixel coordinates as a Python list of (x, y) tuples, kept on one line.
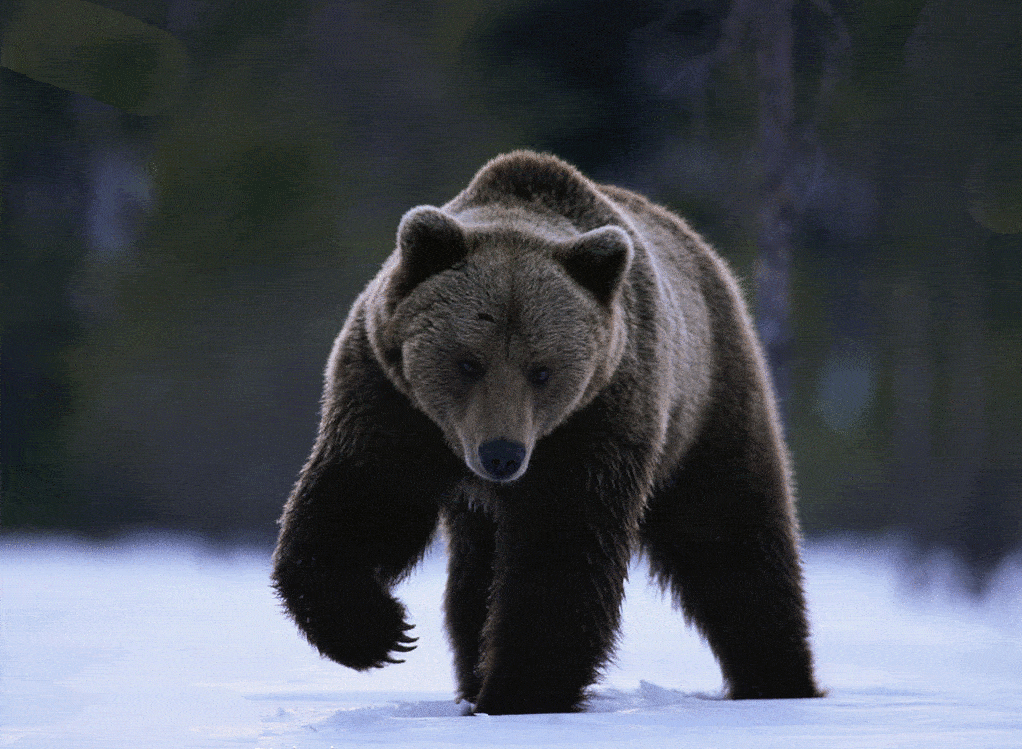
[(369, 636), (402, 643), (358, 626)]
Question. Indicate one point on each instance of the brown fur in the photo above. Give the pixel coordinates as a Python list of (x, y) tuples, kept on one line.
[(562, 373)]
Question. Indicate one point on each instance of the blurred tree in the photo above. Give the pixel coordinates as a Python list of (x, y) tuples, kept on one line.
[(53, 140), (41, 214), (180, 415), (959, 89), (925, 98)]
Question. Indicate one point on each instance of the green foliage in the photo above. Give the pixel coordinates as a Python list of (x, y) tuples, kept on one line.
[(995, 185), (123, 70), (95, 51), (247, 175)]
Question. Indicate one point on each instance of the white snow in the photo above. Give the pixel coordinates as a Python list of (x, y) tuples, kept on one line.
[(159, 642)]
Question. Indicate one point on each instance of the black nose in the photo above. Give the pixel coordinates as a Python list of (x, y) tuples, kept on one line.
[(501, 458)]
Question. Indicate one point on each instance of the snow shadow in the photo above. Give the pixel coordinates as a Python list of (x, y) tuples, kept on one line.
[(648, 697)]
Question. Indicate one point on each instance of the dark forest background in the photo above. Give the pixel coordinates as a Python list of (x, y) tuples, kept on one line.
[(193, 192)]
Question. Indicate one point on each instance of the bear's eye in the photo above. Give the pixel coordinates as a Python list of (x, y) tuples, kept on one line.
[(539, 375), (471, 370)]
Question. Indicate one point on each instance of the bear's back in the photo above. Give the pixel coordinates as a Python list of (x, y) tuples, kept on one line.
[(560, 199), (540, 184)]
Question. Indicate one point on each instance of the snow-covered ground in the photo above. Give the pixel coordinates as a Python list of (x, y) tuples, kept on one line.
[(158, 642)]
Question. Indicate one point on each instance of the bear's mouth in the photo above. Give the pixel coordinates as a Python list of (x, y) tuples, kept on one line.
[(499, 460)]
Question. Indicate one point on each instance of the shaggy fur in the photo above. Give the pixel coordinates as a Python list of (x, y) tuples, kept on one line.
[(561, 373)]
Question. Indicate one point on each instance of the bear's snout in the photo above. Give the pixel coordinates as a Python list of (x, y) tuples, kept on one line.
[(503, 460)]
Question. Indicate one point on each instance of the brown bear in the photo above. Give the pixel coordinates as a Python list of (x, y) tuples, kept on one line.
[(560, 373)]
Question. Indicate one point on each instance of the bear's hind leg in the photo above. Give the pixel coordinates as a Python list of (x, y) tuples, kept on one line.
[(723, 541), (469, 578)]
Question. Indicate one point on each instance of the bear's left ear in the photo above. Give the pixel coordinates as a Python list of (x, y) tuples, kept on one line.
[(429, 241), (597, 260)]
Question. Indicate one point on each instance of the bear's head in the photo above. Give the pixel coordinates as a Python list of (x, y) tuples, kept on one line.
[(498, 331)]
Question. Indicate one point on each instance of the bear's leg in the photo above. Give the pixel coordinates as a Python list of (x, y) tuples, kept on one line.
[(364, 509), (723, 539), (349, 533), (559, 570), (469, 577)]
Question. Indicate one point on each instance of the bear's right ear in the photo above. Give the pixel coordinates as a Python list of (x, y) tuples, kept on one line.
[(429, 241)]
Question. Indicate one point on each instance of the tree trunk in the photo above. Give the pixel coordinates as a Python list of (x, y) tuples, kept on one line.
[(770, 28)]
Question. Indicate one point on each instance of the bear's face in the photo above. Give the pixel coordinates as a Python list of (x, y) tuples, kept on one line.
[(501, 347), (498, 356)]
